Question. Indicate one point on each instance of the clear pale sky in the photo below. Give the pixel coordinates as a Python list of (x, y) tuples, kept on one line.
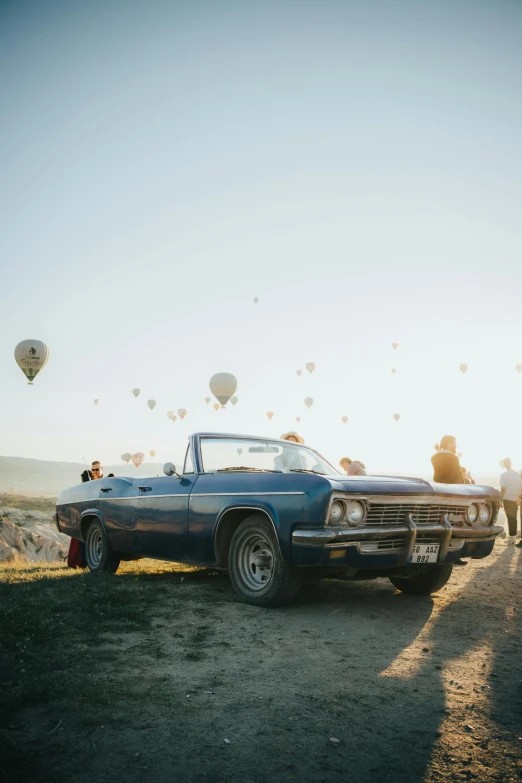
[(357, 166)]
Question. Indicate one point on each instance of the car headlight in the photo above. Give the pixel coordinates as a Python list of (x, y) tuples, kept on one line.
[(355, 512), (484, 514), (336, 512), (472, 513)]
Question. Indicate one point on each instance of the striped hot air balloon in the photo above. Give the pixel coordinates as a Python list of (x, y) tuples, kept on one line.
[(137, 458)]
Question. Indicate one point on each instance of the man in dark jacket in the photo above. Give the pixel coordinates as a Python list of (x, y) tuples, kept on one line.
[(446, 467)]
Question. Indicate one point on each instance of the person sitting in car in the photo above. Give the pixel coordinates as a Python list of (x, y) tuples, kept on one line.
[(290, 459)]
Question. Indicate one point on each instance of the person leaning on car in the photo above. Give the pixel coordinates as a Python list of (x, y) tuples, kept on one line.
[(353, 467), (446, 467)]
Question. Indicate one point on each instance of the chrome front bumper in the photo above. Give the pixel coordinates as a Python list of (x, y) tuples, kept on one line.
[(337, 536)]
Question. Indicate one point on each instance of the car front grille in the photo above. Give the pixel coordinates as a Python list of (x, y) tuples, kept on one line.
[(388, 515)]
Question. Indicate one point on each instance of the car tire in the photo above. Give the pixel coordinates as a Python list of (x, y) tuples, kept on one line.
[(257, 570), (98, 553), (429, 581)]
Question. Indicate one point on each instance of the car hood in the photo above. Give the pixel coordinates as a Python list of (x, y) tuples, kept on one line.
[(399, 485)]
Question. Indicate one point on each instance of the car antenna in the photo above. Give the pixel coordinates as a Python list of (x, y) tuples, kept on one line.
[(85, 463)]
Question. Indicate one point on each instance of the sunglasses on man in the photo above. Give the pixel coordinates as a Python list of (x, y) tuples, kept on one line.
[(96, 470)]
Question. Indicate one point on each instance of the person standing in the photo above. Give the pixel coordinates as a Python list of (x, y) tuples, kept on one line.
[(446, 465), (510, 490)]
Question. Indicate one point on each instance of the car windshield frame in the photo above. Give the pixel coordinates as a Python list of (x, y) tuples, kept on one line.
[(301, 452)]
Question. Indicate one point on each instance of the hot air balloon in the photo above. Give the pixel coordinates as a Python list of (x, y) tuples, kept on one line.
[(394, 371), (151, 404), (223, 385), (182, 413), (96, 402), (234, 400), (299, 372), (308, 402), (396, 416), (310, 366), (344, 419), (394, 346), (136, 392), (152, 452), (240, 451), (217, 406), (31, 356), (298, 419), (137, 459), (170, 414), (207, 400), (270, 414), (463, 367), (126, 457), (518, 368), (256, 300)]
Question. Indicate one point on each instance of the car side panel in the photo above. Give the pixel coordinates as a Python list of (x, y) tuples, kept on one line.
[(73, 503), (289, 499), (161, 518), (117, 506)]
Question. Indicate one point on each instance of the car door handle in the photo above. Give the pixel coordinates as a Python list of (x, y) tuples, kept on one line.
[(145, 489), (106, 489)]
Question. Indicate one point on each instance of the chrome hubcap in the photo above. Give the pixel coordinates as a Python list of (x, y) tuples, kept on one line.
[(256, 563), (94, 548)]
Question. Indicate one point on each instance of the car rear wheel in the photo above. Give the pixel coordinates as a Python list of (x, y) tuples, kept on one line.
[(258, 572), (429, 581), (99, 555)]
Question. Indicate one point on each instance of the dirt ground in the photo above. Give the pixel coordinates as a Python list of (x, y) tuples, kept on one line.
[(193, 685)]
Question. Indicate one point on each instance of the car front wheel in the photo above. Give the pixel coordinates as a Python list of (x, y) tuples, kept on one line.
[(429, 581), (258, 572), (99, 555)]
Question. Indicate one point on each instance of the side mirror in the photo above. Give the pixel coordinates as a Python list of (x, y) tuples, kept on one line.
[(169, 469)]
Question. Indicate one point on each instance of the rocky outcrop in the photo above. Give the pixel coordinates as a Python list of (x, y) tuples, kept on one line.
[(30, 535)]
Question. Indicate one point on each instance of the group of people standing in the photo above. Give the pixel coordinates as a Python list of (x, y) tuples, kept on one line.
[(448, 470)]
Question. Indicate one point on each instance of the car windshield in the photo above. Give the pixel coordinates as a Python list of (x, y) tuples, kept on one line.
[(236, 454)]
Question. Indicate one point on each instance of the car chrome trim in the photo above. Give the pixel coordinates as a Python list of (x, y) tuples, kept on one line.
[(370, 547), (196, 495), (240, 494), (334, 536), (149, 496), (417, 500)]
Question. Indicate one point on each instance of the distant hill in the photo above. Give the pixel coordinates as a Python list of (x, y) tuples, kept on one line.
[(37, 477)]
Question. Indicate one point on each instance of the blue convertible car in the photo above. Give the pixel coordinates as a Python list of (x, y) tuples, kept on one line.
[(269, 510)]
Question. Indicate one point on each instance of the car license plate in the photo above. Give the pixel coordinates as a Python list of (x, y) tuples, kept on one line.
[(425, 553)]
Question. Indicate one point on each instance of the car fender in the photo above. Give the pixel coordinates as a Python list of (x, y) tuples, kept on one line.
[(266, 509), (91, 512)]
